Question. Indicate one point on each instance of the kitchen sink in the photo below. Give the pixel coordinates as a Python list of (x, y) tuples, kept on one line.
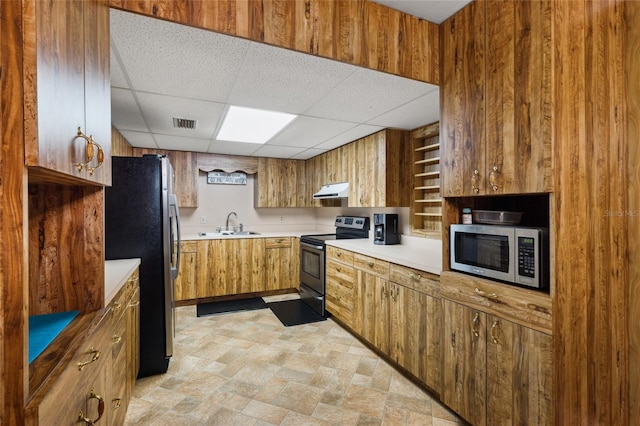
[(223, 233)]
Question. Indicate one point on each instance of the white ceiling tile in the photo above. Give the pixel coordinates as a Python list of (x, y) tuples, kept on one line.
[(160, 110), (177, 60), (118, 78), (182, 143), (278, 151), (366, 94), (125, 113), (283, 80), (310, 131), (424, 110), (309, 153), (349, 136), (233, 148), (139, 139)]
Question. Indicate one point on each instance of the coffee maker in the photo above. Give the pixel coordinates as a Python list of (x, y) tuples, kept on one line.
[(385, 228)]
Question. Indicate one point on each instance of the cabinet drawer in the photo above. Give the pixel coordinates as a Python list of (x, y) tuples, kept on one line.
[(525, 307), (421, 281), (340, 273), (189, 246), (119, 335), (371, 265), (281, 242), (340, 255)]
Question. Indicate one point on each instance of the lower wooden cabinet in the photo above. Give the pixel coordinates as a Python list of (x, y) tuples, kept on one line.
[(495, 371), (185, 282), (340, 288), (282, 263)]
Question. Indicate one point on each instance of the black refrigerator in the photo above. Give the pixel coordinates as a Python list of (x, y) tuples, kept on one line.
[(142, 221)]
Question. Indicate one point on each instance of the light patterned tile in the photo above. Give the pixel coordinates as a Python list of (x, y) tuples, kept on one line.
[(271, 389), (335, 415), (364, 400), (299, 398), (265, 412), (297, 419), (227, 417), (331, 379)]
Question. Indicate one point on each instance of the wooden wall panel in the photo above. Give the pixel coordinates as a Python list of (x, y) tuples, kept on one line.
[(633, 181), (120, 147), (66, 248), (14, 373), (358, 32), (590, 153)]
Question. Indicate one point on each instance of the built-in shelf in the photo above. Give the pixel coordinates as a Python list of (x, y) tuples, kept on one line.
[(426, 206)]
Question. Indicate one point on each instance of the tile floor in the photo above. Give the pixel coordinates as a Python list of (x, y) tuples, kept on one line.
[(246, 368)]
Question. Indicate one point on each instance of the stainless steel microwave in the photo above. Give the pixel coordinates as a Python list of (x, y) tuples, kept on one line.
[(515, 255)]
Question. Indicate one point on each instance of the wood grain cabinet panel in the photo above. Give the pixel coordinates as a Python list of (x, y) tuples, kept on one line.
[(280, 183), (282, 263), (495, 371), (66, 88), (185, 283), (496, 109)]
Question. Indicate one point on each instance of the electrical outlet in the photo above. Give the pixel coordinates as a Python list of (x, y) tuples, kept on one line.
[(203, 219), (281, 219)]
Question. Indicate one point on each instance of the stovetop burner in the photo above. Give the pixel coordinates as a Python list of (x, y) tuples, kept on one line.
[(347, 227)]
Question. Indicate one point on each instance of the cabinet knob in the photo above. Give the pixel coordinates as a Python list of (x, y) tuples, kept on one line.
[(475, 179), (494, 332), (475, 328), (415, 277), (493, 178)]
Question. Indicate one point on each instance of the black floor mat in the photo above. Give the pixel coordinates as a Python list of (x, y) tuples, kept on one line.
[(294, 312), (214, 308)]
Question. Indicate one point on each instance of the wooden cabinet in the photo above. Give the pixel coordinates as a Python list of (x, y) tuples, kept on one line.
[(185, 283), (66, 89), (185, 167), (426, 202), (496, 91), (282, 264), (380, 170), (495, 371), (234, 266), (79, 386), (280, 183), (316, 169), (340, 290)]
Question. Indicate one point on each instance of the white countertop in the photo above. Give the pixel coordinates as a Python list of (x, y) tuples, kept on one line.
[(116, 274), (424, 254), (272, 234)]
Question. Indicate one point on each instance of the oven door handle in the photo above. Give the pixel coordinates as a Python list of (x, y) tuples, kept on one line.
[(313, 246)]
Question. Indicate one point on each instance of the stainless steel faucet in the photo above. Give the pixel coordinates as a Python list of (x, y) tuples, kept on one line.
[(228, 216)]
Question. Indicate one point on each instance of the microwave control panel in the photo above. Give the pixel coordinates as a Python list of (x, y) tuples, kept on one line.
[(527, 257)]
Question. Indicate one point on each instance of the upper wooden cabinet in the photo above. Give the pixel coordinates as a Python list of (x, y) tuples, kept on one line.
[(380, 170), (66, 90), (280, 183), (496, 99)]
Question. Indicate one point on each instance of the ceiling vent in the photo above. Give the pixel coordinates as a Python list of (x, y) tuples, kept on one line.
[(184, 123)]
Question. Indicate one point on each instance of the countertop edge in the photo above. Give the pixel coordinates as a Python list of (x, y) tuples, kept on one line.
[(116, 274)]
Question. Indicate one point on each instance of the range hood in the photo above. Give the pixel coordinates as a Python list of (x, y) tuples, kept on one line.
[(334, 190)]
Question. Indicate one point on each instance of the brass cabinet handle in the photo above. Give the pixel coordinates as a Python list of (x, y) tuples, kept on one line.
[(339, 269), (370, 264), (475, 179), (394, 294), (89, 150), (83, 418), (117, 339), (384, 290), (339, 253), (117, 403), (416, 277), (117, 306), (493, 178), (494, 332), (491, 296), (133, 305), (476, 325), (95, 354), (100, 159)]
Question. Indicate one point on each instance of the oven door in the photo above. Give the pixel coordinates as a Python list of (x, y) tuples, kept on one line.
[(312, 266)]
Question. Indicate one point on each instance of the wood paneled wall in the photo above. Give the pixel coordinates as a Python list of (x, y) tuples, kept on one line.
[(14, 377), (120, 146), (357, 32), (633, 89), (590, 309)]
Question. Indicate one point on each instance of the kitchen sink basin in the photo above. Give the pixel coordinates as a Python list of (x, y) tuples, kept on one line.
[(222, 233)]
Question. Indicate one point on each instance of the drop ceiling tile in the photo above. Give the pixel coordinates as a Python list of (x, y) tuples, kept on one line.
[(274, 151), (177, 60), (414, 114), (283, 80), (233, 148), (309, 153), (125, 114), (349, 136), (139, 139), (159, 111), (366, 94), (310, 131), (182, 143), (118, 78)]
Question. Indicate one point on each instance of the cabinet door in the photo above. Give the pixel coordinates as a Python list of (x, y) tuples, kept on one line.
[(280, 266), (371, 315), (365, 187), (465, 358), (518, 97), (415, 334), (133, 347), (519, 381), (340, 291), (462, 115), (280, 183), (185, 283)]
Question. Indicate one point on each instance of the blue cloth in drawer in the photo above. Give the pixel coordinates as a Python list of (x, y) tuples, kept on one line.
[(44, 328)]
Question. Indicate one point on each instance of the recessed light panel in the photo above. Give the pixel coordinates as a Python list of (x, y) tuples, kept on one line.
[(252, 125)]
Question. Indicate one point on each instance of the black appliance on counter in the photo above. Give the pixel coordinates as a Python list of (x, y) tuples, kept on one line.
[(313, 256), (142, 221), (385, 228)]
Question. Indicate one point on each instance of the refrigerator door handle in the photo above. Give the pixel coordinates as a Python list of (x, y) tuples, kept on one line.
[(173, 202)]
